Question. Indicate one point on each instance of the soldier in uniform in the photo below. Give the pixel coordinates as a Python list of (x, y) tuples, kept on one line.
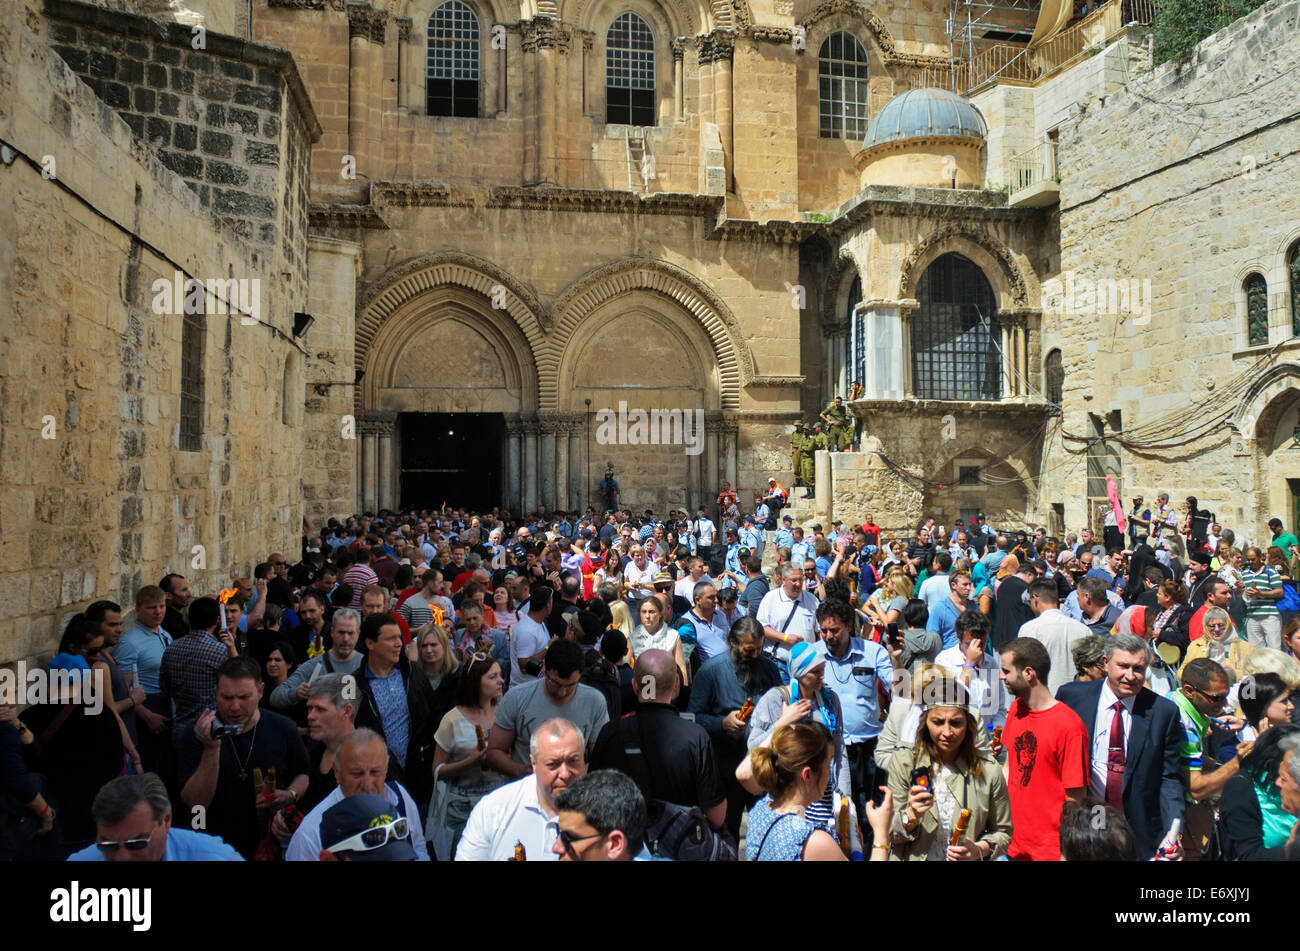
[(818, 440), (798, 449), (840, 433)]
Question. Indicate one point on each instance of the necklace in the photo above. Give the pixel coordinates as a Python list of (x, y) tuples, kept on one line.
[(243, 764)]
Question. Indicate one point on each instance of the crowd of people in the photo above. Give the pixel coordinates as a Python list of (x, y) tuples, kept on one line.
[(445, 685)]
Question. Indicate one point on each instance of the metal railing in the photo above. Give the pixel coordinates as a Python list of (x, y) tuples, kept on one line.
[(1032, 167), (1018, 64)]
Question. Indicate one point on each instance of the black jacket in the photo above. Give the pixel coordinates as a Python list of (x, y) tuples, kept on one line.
[(1011, 611), (599, 673), (417, 776), (1153, 787), (1241, 824)]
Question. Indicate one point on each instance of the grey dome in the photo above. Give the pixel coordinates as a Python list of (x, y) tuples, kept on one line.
[(925, 113)]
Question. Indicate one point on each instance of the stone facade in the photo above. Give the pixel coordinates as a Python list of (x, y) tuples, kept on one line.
[(1188, 180), (98, 497)]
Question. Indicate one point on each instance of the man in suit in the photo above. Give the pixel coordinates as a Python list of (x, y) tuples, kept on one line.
[(1136, 737)]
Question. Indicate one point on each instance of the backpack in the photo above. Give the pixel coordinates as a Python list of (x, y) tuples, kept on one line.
[(680, 833), (1290, 600)]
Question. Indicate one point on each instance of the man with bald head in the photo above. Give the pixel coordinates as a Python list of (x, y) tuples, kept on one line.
[(669, 758), (361, 766), (524, 813)]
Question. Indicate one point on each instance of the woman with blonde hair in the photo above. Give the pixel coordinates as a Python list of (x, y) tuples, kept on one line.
[(942, 777), (886, 603), (794, 769)]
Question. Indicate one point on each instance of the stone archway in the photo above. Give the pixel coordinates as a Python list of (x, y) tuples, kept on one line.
[(1267, 421)]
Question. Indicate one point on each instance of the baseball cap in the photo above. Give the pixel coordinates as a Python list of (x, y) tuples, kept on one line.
[(817, 527), (366, 828), (770, 481), (786, 518), (837, 522)]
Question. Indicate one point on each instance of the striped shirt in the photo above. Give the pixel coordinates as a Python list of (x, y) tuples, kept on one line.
[(1266, 579), (1195, 726), (418, 612), (359, 577)]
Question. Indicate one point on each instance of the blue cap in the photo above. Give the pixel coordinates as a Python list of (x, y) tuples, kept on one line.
[(354, 815)]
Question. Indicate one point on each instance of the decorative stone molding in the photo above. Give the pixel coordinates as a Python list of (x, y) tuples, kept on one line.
[(420, 275), (1011, 271), (771, 34), (588, 40), (718, 45), (545, 33), (777, 381), (679, 47), (717, 423), (1261, 392), (297, 4), (403, 28), (365, 21), (844, 263), (376, 422), (735, 363), (603, 201)]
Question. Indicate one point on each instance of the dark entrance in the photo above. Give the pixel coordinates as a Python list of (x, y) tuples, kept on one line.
[(454, 458)]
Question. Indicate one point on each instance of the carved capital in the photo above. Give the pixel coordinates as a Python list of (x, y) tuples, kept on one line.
[(403, 28), (545, 33), (365, 21), (679, 47), (718, 45)]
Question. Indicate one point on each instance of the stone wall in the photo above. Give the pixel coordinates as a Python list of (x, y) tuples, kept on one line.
[(1189, 180), (98, 498)]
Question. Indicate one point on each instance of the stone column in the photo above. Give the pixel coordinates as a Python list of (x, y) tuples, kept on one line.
[(712, 481), (1008, 377), (358, 68), (907, 308), (549, 495), (887, 356), (514, 475), (502, 65), (731, 448), (548, 40), (694, 479), (371, 426), (723, 49), (576, 495), (530, 486), (403, 38), (679, 78), (385, 426)]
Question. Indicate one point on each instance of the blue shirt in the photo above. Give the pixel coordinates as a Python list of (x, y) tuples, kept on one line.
[(761, 512), (182, 846), (783, 538), (943, 620), (799, 551), (823, 566), (142, 650), (855, 678), (390, 697), (752, 539), (732, 564)]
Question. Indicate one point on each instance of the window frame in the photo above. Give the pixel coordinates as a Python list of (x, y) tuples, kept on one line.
[(459, 49), (832, 114), (639, 86)]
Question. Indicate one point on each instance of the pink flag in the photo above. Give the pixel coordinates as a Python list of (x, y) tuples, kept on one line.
[(1112, 490)]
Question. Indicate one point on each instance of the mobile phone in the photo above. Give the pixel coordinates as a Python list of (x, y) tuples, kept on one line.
[(895, 635), (921, 777)]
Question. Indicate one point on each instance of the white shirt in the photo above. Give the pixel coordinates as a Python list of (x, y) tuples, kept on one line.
[(775, 608), (1101, 736), (305, 845), (1058, 634), (527, 638), (640, 578), (685, 587), (704, 530), (505, 816), (986, 692)]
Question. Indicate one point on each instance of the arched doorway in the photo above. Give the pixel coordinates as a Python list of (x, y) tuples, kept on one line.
[(442, 375), (1277, 447)]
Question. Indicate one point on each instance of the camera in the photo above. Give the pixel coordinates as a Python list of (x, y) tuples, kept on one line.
[(218, 730)]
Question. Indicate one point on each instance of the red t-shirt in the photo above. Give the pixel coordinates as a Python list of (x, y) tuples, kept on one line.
[(1047, 753)]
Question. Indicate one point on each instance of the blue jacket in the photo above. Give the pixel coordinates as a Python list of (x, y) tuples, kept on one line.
[(715, 692), (1153, 786)]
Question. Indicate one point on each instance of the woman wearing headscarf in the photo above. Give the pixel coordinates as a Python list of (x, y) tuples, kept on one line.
[(1220, 643), (982, 594)]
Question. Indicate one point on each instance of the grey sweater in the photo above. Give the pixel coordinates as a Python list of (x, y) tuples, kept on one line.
[(286, 695)]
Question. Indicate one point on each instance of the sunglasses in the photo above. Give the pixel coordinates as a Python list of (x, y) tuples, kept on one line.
[(567, 840), (1212, 697), (373, 838), (138, 844)]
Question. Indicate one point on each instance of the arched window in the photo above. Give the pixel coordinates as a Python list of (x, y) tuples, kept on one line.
[(1054, 371), (630, 71), (1293, 278), (842, 87), (452, 62), (856, 358), (956, 334), (1256, 310)]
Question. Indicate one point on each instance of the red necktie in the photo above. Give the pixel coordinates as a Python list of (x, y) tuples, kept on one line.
[(1115, 760)]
